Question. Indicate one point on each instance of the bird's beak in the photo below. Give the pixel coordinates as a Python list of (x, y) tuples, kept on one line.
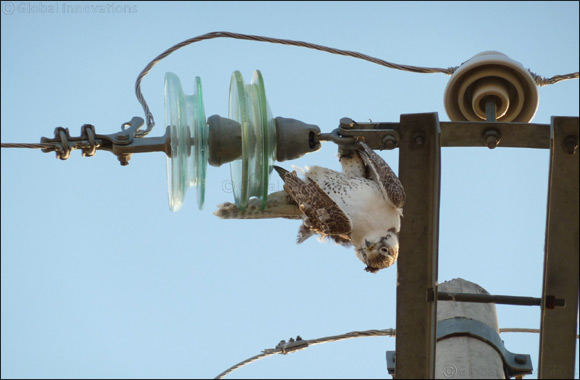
[(368, 244)]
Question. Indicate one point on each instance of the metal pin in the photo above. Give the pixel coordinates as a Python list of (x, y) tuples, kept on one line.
[(490, 110)]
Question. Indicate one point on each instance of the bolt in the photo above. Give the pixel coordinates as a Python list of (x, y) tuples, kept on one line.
[(124, 159), (491, 142), (571, 143), (491, 138), (520, 359), (389, 142), (123, 137), (347, 123), (419, 140)]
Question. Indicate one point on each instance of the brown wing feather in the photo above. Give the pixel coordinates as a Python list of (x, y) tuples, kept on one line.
[(325, 216), (384, 175)]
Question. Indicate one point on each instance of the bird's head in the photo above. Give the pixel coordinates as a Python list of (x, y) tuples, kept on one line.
[(381, 253)]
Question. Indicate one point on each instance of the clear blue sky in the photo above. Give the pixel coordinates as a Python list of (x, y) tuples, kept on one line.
[(100, 279)]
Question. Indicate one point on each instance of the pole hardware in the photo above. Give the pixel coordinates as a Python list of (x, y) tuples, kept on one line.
[(122, 144), (292, 345), (515, 365), (550, 302), (492, 137), (571, 143)]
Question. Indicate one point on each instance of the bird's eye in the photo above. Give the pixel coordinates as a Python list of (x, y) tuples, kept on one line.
[(384, 250)]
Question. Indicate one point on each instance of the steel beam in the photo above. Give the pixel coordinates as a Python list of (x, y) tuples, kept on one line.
[(558, 325), (419, 172), (459, 134)]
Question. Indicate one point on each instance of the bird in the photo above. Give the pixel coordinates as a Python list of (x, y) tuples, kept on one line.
[(361, 206)]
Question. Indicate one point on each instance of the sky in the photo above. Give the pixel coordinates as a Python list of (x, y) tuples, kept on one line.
[(100, 279)]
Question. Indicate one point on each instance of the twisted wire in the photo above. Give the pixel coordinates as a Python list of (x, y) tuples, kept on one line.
[(311, 342), (521, 330), (149, 117), (72, 145), (352, 334), (150, 121), (349, 335), (264, 354), (26, 145), (541, 81)]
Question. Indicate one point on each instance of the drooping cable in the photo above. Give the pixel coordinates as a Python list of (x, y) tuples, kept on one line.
[(150, 122), (295, 345)]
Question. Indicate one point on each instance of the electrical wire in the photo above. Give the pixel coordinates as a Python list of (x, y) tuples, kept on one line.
[(29, 146), (285, 348), (150, 122), (211, 35)]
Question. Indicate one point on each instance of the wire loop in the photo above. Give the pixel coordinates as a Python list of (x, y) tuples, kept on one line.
[(64, 152)]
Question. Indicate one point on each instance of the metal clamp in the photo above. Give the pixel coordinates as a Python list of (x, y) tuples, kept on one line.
[(292, 345), (122, 144), (375, 135), (515, 364)]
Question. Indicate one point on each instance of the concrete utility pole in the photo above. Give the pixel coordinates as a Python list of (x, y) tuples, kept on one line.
[(465, 357)]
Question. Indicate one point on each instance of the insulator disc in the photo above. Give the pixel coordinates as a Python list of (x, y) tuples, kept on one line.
[(185, 117), (249, 107)]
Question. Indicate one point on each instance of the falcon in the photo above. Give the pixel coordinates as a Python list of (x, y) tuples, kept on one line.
[(361, 206)]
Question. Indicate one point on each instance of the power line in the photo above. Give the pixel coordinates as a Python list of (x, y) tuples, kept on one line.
[(540, 81), (299, 344), (150, 121)]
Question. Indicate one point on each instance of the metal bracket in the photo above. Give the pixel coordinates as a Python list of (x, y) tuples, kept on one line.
[(491, 134), (515, 365), (391, 357), (122, 144), (549, 303)]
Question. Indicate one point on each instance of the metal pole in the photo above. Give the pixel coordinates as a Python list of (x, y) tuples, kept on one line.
[(419, 171), (465, 357), (559, 325)]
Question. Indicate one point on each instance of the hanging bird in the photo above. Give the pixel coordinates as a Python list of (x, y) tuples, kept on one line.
[(360, 206)]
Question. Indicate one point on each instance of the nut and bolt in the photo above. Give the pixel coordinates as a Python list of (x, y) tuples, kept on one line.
[(491, 138), (571, 143), (347, 123), (124, 159), (390, 142)]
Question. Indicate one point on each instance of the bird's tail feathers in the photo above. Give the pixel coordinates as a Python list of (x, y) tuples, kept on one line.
[(278, 205), (303, 234)]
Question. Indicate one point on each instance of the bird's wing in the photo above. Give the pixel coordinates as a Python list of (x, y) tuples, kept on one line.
[(325, 217), (382, 173)]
